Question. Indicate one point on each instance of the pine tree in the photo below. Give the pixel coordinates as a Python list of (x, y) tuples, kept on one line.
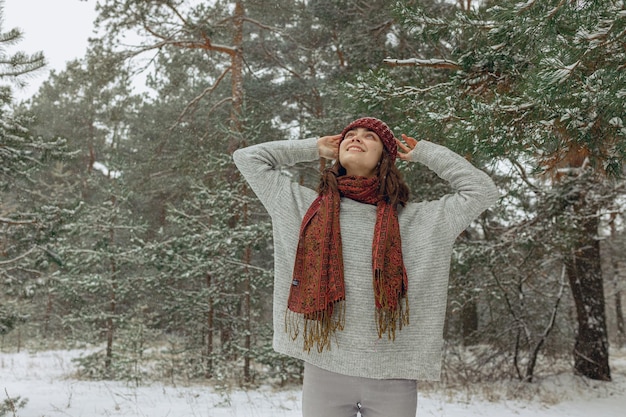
[(294, 51), (539, 84), (97, 236), (23, 250)]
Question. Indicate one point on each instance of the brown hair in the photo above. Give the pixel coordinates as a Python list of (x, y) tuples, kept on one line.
[(392, 186)]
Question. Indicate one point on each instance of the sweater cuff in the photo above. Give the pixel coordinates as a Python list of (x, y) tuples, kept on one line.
[(424, 152)]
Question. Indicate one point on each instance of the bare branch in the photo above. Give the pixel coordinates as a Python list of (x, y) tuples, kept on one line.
[(204, 44), (193, 103), (219, 103), (522, 172), (213, 108), (207, 45), (16, 222), (177, 13), (261, 25), (24, 255), (246, 265)]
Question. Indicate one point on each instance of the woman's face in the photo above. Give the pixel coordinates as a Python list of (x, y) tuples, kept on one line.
[(360, 151)]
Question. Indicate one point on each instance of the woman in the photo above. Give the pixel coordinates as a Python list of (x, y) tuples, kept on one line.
[(361, 274)]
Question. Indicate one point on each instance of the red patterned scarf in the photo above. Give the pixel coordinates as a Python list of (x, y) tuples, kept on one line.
[(318, 291)]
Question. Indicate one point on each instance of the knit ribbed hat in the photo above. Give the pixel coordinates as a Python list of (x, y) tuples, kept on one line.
[(380, 128)]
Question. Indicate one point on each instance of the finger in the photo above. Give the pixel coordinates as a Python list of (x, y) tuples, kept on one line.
[(335, 138), (411, 141), (402, 145)]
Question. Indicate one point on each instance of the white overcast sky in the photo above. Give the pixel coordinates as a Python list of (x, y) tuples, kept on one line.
[(59, 28)]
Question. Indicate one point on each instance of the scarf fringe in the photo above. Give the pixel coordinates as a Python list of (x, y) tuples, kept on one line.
[(390, 317), (318, 327)]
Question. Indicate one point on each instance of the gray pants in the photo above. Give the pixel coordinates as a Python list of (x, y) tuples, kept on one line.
[(327, 394)]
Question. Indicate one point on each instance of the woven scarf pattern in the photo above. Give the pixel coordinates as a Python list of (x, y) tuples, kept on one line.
[(317, 294)]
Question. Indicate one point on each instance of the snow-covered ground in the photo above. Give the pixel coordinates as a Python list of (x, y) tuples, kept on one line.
[(45, 379)]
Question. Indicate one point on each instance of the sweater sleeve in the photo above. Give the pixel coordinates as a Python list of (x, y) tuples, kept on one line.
[(261, 165), (474, 191)]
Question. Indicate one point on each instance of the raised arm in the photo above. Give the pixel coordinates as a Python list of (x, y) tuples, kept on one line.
[(261, 166), (474, 191)]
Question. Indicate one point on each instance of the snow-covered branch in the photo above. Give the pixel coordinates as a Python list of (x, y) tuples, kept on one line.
[(416, 62), (16, 222)]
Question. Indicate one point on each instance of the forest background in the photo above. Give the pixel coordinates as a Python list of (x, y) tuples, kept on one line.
[(124, 225)]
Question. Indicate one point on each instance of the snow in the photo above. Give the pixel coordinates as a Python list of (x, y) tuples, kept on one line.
[(46, 380), (105, 170)]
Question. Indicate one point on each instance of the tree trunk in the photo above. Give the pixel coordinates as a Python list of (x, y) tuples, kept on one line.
[(112, 300), (591, 350), (47, 316), (532, 361), (469, 322), (209, 336), (237, 92), (247, 317), (619, 311), (619, 317)]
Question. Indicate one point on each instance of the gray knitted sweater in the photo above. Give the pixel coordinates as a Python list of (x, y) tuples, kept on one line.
[(428, 231)]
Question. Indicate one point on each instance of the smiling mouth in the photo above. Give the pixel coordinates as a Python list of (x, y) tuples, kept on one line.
[(354, 148)]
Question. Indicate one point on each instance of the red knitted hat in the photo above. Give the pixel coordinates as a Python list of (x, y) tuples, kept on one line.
[(380, 128)]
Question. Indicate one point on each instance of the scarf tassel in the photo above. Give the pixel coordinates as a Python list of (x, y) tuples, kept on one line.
[(390, 315), (318, 327)]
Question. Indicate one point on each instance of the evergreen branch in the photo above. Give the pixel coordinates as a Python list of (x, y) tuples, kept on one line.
[(11, 37), (522, 8), (20, 64), (554, 11), (11, 402), (18, 73), (416, 62), (518, 108)]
